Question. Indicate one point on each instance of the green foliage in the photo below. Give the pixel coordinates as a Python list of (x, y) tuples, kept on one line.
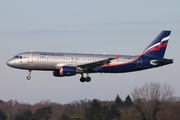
[(128, 102), (18, 117), (114, 113), (118, 102), (42, 113), (110, 114), (75, 117), (1, 101), (105, 112), (3, 115), (96, 112), (64, 117), (93, 111), (143, 116), (27, 115)]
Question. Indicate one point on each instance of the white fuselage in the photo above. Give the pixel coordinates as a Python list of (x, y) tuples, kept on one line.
[(53, 61)]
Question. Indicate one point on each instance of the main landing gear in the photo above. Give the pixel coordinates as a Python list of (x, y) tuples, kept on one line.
[(29, 77), (83, 79)]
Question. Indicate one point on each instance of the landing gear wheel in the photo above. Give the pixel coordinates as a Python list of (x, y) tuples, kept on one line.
[(88, 79), (82, 79), (28, 77)]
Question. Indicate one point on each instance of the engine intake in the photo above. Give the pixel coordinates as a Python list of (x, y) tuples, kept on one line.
[(65, 71)]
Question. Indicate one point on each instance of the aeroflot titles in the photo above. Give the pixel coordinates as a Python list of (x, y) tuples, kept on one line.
[(49, 54)]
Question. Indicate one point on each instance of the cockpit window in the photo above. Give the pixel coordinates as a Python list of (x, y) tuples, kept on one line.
[(20, 57), (16, 57)]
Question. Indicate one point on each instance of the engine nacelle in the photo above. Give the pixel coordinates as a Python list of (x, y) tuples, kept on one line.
[(65, 71)]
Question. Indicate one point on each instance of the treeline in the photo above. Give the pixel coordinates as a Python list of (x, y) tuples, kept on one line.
[(150, 102), (76, 110), (86, 110)]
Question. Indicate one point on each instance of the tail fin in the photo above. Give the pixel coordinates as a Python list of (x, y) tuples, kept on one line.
[(158, 46)]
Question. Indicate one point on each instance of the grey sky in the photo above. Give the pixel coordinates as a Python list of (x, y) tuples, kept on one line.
[(113, 27)]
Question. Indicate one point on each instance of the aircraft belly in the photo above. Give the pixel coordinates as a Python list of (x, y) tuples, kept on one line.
[(43, 65), (119, 68)]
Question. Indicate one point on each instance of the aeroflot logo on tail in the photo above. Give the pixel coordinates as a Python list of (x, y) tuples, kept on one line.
[(51, 54), (157, 44)]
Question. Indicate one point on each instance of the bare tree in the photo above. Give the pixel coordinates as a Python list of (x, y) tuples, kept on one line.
[(171, 112), (129, 113), (151, 98)]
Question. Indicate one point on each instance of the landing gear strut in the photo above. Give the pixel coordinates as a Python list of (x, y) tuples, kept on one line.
[(83, 79), (29, 77)]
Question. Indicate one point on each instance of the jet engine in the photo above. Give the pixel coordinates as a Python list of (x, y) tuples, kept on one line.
[(65, 71)]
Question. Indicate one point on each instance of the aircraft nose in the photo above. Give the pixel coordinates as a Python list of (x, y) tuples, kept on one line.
[(9, 63)]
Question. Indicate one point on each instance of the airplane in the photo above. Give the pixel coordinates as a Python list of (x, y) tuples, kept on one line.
[(70, 64)]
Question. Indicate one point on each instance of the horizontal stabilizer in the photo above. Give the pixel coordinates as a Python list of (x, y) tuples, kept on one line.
[(161, 62)]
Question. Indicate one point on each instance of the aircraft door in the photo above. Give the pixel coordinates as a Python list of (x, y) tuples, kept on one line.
[(74, 60), (139, 62), (30, 59)]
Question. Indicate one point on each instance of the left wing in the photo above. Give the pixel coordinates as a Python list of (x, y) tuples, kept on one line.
[(93, 65)]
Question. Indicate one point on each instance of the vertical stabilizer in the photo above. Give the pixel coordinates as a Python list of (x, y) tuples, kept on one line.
[(158, 46)]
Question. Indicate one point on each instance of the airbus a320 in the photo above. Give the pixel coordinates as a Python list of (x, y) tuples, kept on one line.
[(70, 64)]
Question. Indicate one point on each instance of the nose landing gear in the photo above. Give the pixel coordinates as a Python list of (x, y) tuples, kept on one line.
[(29, 77), (83, 79)]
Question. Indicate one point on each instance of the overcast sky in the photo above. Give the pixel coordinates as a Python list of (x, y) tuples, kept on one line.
[(94, 26)]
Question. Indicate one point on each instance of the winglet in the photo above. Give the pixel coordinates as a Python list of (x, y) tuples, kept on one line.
[(117, 57)]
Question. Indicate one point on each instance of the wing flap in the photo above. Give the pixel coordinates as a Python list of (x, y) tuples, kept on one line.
[(95, 64)]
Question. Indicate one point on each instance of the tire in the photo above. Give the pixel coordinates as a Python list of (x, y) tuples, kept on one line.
[(28, 77), (88, 79), (82, 79)]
